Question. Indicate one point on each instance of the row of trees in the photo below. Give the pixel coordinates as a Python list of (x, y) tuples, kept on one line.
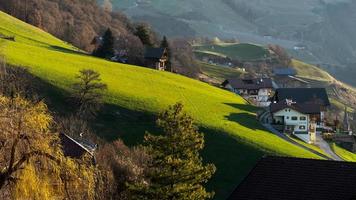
[(106, 48), (78, 22), (33, 166)]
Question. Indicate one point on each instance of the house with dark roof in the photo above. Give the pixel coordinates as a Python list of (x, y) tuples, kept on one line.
[(156, 58), (286, 78), (303, 95), (300, 111), (255, 90), (282, 178)]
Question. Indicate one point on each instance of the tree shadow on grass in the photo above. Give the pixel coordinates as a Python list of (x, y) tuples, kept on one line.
[(112, 122), (245, 107), (65, 50), (246, 120), (232, 157)]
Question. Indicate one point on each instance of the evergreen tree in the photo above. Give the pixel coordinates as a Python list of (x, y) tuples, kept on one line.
[(165, 44), (106, 49), (177, 171), (143, 32)]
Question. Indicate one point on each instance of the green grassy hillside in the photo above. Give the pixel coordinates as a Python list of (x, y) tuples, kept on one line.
[(343, 153), (218, 72), (241, 51), (234, 138), (312, 72)]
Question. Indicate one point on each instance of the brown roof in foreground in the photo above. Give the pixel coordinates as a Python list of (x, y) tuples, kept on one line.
[(250, 84), (281, 178)]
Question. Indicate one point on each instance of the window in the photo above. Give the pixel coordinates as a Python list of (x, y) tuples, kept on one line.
[(294, 118), (303, 118), (287, 117), (302, 127)]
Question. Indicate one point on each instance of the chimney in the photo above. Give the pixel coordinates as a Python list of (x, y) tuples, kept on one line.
[(289, 102)]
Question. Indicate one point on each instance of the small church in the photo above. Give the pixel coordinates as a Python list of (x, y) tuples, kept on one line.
[(156, 58)]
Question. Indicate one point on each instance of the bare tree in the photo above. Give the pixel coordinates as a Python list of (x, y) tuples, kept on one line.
[(88, 93), (125, 166)]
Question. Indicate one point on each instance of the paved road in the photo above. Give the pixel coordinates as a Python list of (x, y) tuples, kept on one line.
[(326, 147), (286, 138)]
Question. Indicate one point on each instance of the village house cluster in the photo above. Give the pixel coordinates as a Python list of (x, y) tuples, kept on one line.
[(298, 111)]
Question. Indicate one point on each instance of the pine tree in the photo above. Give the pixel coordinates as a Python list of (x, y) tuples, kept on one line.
[(143, 32), (106, 49), (165, 44), (177, 171)]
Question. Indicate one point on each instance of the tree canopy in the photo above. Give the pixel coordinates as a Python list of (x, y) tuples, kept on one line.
[(177, 170), (31, 158), (106, 48)]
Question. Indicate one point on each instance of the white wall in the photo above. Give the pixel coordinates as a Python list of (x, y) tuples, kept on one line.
[(264, 94), (288, 119), (262, 99)]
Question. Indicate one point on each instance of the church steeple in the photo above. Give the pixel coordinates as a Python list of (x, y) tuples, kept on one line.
[(346, 123)]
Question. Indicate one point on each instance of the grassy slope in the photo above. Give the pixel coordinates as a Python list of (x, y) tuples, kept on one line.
[(235, 140), (235, 51), (343, 153), (218, 72), (311, 146), (308, 71)]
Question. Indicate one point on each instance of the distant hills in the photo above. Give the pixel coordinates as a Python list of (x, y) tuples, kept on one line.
[(324, 27)]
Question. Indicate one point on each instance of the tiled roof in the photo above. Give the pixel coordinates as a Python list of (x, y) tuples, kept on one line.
[(281, 178), (303, 95), (156, 53), (251, 84)]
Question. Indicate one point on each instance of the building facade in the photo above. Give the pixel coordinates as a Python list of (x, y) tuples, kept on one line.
[(256, 91), (300, 111), (156, 58)]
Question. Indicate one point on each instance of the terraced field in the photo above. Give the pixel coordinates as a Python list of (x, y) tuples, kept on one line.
[(243, 51), (234, 138)]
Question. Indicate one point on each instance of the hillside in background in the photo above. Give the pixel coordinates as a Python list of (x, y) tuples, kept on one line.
[(235, 140), (324, 28), (340, 94)]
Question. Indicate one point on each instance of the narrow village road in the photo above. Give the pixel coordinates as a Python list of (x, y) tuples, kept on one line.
[(286, 138), (326, 147)]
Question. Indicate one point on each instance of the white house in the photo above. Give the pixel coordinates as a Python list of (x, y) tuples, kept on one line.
[(257, 91), (290, 118), (300, 111)]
